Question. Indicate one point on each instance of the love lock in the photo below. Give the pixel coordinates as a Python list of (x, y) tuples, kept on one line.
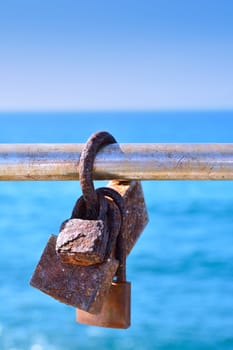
[(83, 287)]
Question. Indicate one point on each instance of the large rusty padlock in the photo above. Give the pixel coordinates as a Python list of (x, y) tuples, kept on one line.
[(116, 308), (82, 286)]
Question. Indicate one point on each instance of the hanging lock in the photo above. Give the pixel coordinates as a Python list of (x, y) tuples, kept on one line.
[(83, 238), (82, 286), (116, 308)]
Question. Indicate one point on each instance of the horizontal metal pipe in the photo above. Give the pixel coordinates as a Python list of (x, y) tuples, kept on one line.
[(118, 161)]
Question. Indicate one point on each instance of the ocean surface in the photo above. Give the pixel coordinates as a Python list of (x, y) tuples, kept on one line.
[(181, 268)]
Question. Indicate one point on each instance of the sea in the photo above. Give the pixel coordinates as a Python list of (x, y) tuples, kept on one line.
[(181, 268)]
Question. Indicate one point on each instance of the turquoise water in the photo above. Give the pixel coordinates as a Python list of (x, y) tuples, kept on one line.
[(181, 269)]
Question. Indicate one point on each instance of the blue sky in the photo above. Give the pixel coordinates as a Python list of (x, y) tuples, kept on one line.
[(124, 54)]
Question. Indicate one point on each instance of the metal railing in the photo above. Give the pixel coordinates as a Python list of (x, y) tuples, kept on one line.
[(118, 161)]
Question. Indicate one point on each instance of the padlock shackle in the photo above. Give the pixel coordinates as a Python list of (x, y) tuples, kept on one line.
[(80, 212), (88, 154)]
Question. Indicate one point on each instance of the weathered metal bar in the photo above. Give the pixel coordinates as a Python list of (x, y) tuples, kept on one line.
[(118, 161)]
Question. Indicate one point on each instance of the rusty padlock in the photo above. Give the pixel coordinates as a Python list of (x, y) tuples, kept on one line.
[(83, 238), (81, 286), (116, 309)]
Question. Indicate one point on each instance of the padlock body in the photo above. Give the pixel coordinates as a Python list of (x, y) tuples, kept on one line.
[(84, 287), (82, 242), (115, 312)]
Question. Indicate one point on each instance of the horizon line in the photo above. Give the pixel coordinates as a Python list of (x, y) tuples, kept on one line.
[(115, 110)]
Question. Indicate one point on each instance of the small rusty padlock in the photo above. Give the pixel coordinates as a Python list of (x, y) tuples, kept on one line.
[(116, 308)]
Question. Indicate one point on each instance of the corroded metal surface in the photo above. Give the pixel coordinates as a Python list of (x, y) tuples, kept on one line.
[(86, 164), (116, 309), (74, 285), (82, 241), (136, 216), (118, 161), (84, 287)]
